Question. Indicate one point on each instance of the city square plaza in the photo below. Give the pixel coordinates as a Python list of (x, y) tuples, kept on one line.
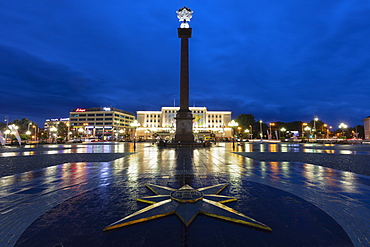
[(294, 195)]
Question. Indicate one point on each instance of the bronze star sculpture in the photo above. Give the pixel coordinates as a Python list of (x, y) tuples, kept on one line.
[(187, 203)]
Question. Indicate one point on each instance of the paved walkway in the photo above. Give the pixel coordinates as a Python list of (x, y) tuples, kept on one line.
[(342, 195)]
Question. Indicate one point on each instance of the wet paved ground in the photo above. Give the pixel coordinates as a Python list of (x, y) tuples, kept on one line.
[(71, 202)]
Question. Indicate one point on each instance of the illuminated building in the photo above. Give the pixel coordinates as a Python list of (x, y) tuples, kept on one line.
[(54, 122), (106, 123), (162, 124), (367, 127)]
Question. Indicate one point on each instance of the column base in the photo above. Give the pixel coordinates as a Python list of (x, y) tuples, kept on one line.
[(184, 127)]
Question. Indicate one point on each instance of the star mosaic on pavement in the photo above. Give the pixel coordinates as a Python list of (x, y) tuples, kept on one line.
[(187, 203)]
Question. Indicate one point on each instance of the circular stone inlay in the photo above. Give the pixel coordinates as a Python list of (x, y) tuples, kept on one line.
[(187, 195)]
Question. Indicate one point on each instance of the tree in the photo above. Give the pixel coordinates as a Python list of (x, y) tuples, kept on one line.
[(62, 130), (244, 120), (23, 125)]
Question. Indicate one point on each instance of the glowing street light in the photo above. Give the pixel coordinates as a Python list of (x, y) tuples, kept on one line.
[(314, 125), (307, 129), (343, 127), (261, 133), (233, 125), (135, 124), (247, 132), (283, 130), (271, 124), (54, 130), (303, 124)]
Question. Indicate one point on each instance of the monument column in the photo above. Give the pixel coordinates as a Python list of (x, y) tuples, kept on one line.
[(184, 118)]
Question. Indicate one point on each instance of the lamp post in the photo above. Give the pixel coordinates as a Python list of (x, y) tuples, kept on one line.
[(121, 131), (271, 124), (53, 133), (6, 119), (28, 132), (68, 130), (80, 131), (307, 129), (247, 133), (303, 124), (314, 126), (135, 124), (6, 132), (233, 125), (34, 126), (283, 130), (261, 133), (343, 127)]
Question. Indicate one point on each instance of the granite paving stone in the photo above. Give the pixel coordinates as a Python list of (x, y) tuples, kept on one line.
[(94, 182)]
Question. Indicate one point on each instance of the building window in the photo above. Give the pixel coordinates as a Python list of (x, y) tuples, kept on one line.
[(99, 119), (108, 114), (90, 115), (99, 115)]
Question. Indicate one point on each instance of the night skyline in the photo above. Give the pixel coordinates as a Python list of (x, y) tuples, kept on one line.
[(289, 61)]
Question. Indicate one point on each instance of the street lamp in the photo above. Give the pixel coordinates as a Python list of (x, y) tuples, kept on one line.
[(271, 124), (247, 132), (261, 133), (233, 125), (135, 124), (283, 130), (34, 126), (53, 130), (323, 130), (343, 127), (80, 131), (121, 131), (303, 124), (314, 125), (28, 132), (307, 129)]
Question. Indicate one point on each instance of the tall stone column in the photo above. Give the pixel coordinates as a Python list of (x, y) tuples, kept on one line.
[(184, 118)]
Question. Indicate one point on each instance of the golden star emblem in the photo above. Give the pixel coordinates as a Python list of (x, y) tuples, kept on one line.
[(187, 203)]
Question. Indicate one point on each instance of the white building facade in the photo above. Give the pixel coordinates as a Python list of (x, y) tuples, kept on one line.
[(107, 123), (162, 124)]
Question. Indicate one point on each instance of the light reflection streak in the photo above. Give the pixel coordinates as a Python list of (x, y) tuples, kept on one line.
[(8, 154), (284, 148), (273, 148)]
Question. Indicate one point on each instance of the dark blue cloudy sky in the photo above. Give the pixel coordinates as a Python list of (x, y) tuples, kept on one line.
[(278, 60)]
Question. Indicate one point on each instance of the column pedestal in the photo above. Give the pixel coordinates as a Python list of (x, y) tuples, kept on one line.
[(184, 127)]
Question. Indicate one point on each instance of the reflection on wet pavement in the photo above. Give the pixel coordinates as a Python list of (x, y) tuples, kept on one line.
[(64, 149), (343, 195), (305, 148)]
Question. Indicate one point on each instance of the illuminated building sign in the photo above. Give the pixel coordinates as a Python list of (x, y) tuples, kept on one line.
[(106, 109), (57, 119), (80, 110)]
